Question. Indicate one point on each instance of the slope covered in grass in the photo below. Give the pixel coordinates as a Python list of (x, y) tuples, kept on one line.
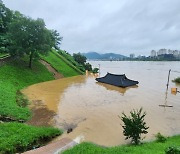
[(60, 64), (15, 76), (17, 137), (146, 148)]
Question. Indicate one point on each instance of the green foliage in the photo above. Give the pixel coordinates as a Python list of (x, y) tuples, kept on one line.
[(78, 57), (60, 65), (21, 35), (17, 137), (134, 125), (5, 19), (70, 61), (88, 67), (95, 70), (4, 55), (145, 148), (160, 138), (29, 36), (56, 39), (15, 76), (177, 80), (172, 150)]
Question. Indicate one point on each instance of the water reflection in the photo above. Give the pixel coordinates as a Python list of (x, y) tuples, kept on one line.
[(114, 88)]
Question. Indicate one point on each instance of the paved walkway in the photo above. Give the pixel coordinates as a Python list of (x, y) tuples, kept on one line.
[(54, 148)]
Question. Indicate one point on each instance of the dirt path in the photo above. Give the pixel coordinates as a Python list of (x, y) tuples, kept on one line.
[(4, 60), (56, 74)]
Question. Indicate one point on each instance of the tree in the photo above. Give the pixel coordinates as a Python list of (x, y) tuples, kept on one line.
[(88, 67), (30, 37), (5, 19), (81, 59), (134, 125), (56, 39)]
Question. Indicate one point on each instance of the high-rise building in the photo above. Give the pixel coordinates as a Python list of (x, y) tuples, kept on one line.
[(132, 55), (162, 52), (176, 53), (153, 53), (170, 51)]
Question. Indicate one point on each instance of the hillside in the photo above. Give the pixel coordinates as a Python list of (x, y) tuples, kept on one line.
[(14, 76), (106, 56), (61, 64)]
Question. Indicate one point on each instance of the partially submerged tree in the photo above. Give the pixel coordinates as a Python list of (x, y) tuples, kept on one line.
[(134, 125)]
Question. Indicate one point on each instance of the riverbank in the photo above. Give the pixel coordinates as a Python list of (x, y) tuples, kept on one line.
[(15, 136), (145, 148), (91, 109)]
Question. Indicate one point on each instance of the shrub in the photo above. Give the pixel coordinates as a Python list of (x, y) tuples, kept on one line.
[(95, 70), (88, 67), (160, 138), (172, 150), (177, 80), (134, 125)]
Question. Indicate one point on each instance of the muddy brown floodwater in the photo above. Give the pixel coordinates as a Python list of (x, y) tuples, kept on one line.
[(91, 109)]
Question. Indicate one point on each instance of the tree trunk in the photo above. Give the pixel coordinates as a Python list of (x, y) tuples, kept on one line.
[(30, 59)]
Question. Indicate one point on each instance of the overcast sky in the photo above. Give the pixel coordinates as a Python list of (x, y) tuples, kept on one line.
[(119, 26)]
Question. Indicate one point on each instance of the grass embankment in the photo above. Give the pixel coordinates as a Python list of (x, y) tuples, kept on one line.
[(13, 77), (177, 80), (70, 60), (146, 148), (17, 137), (61, 64)]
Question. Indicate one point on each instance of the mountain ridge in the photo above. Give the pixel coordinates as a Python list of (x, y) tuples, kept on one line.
[(105, 56)]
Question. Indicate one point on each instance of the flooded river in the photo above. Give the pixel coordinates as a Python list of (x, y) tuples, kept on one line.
[(92, 109)]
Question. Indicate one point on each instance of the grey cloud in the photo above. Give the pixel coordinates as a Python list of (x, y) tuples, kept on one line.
[(108, 26)]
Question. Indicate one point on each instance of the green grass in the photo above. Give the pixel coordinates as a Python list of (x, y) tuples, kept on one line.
[(60, 65), (70, 61), (146, 148), (13, 77), (17, 137), (177, 80), (3, 55)]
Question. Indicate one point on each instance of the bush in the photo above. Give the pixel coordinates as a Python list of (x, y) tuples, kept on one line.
[(88, 67), (160, 138), (177, 80), (134, 125), (172, 150), (95, 70)]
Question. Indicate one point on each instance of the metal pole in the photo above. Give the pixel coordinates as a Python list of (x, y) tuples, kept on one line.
[(168, 79), (99, 69)]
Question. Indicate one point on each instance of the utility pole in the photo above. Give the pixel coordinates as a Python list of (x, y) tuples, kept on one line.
[(168, 79), (99, 69)]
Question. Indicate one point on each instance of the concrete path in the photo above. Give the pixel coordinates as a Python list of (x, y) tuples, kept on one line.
[(54, 148)]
